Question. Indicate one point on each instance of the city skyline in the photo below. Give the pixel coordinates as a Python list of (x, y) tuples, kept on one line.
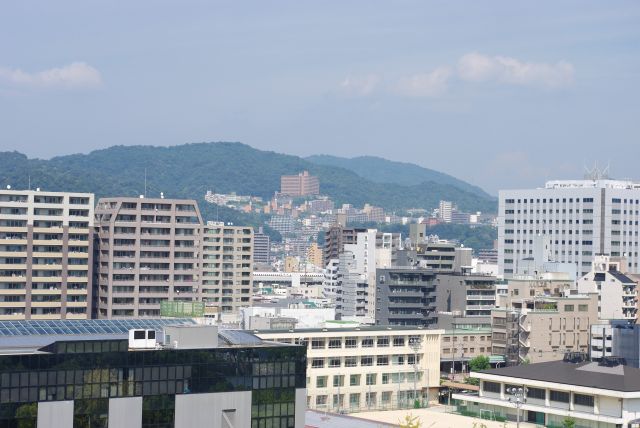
[(518, 94)]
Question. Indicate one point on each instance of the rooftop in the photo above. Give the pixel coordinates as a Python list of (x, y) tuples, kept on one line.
[(587, 374), (362, 328)]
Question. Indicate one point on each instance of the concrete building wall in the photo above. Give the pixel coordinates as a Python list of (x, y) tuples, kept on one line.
[(149, 250), (125, 412), (227, 269), (55, 414), (385, 369), (215, 409), (582, 217), (46, 248)]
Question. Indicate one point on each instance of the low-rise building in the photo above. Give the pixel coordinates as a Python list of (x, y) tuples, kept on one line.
[(618, 292), (594, 395), (463, 342), (141, 373), (367, 368), (538, 329)]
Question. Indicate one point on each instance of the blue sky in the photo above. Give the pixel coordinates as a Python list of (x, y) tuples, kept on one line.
[(502, 94)]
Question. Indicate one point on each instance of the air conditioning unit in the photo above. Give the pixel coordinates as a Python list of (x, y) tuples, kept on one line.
[(142, 339)]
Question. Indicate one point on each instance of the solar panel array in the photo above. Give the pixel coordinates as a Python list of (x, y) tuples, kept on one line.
[(239, 337), (77, 327)]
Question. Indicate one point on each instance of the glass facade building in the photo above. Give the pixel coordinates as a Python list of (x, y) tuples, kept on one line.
[(90, 374)]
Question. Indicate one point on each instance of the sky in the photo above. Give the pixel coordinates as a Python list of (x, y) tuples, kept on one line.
[(502, 94)]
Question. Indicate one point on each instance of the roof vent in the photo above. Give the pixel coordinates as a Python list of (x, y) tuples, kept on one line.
[(612, 361), (574, 357)]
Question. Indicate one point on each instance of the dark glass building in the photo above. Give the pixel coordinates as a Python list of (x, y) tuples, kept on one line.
[(104, 382)]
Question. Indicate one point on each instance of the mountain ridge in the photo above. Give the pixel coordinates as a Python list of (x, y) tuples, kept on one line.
[(189, 170), (383, 170)]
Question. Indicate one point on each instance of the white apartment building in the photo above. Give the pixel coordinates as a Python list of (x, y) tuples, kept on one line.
[(227, 267), (445, 211), (594, 395), (617, 293), (582, 218), (367, 368), (45, 254)]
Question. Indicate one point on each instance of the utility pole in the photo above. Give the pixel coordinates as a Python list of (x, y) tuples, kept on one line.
[(518, 398), (416, 344)]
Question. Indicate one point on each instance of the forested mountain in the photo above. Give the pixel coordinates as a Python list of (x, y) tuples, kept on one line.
[(188, 171), (382, 170)]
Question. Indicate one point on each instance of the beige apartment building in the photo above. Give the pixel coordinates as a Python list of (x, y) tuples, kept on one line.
[(302, 184), (148, 250), (367, 367), (462, 343), (45, 254), (227, 268), (538, 329)]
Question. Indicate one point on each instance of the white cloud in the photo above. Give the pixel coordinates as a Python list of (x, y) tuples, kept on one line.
[(430, 84), (74, 75), (360, 85), (476, 67)]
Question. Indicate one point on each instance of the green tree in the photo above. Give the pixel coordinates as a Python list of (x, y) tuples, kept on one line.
[(568, 423), (481, 362)]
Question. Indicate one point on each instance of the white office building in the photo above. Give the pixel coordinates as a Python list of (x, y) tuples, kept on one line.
[(582, 218)]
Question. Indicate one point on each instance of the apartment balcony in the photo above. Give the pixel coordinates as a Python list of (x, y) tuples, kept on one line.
[(57, 242), (55, 316), (12, 291), (50, 291), (48, 230), (12, 253), (46, 304), (48, 255), (12, 316), (72, 316), (76, 304), (76, 292), (11, 241), (12, 304), (480, 307)]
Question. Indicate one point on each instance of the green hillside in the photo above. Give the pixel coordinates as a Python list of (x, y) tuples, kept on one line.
[(382, 170), (188, 171)]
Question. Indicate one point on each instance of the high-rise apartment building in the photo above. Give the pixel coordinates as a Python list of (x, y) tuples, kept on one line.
[(148, 251), (261, 247), (45, 254), (302, 184), (581, 218), (445, 211), (227, 268)]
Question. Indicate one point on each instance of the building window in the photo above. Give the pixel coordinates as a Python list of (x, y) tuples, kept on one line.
[(334, 362), (568, 308), (321, 400), (559, 396), (398, 341), (371, 379), (335, 343), (92, 413), (338, 380), (317, 363), (583, 400), (490, 387), (321, 382), (385, 378), (367, 342), (383, 342), (354, 400), (158, 411), (351, 342), (317, 344), (354, 380), (382, 360), (366, 361), (350, 361), (537, 393)]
